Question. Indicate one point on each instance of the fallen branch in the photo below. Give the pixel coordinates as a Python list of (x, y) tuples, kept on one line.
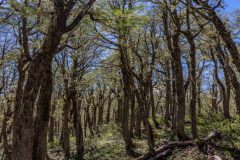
[(165, 149)]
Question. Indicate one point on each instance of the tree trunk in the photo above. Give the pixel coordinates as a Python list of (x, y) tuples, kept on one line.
[(52, 125), (222, 87), (94, 117), (168, 95), (138, 130), (199, 102), (42, 116), (180, 112), (232, 75), (173, 42), (4, 136), (89, 120), (142, 98), (125, 110), (78, 128), (23, 116), (193, 80), (174, 104), (152, 104), (132, 116), (119, 110), (109, 109), (65, 119)]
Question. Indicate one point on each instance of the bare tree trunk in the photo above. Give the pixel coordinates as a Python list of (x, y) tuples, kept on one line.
[(94, 117), (109, 109), (199, 102), (142, 98), (168, 95), (65, 120), (139, 118), (127, 93), (214, 93), (174, 104), (152, 103), (42, 116), (173, 42), (226, 107), (222, 87), (119, 110), (4, 136), (101, 103), (78, 127), (132, 116), (52, 125), (180, 112), (232, 75), (100, 114), (89, 120), (193, 101), (125, 110), (192, 69), (23, 121)]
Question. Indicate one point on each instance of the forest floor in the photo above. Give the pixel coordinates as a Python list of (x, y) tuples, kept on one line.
[(108, 143)]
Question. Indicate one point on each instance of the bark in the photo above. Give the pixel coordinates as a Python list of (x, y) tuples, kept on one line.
[(132, 115), (100, 104), (23, 116), (127, 93), (226, 107), (141, 97), (168, 96), (223, 89), (199, 102), (119, 110), (65, 120), (173, 42), (174, 104), (94, 116), (232, 75), (125, 110), (109, 109), (214, 107), (42, 116), (4, 136), (52, 125), (192, 70), (180, 112), (78, 127), (139, 118), (152, 104), (89, 120), (85, 125)]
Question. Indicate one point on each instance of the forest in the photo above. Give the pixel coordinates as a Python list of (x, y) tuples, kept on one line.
[(119, 80)]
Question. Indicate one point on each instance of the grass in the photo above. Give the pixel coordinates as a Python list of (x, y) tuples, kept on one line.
[(108, 144)]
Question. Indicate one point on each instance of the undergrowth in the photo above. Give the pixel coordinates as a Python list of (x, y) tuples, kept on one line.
[(108, 144)]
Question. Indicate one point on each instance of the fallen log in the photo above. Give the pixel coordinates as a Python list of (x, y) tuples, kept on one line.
[(163, 155), (158, 153)]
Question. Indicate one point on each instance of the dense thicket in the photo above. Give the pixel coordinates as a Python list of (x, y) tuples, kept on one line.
[(68, 68)]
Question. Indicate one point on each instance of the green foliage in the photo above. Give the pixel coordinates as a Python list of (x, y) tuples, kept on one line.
[(106, 145)]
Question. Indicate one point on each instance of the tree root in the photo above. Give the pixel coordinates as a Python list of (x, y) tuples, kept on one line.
[(165, 150)]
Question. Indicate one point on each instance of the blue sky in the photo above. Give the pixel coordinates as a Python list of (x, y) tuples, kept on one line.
[(232, 5)]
